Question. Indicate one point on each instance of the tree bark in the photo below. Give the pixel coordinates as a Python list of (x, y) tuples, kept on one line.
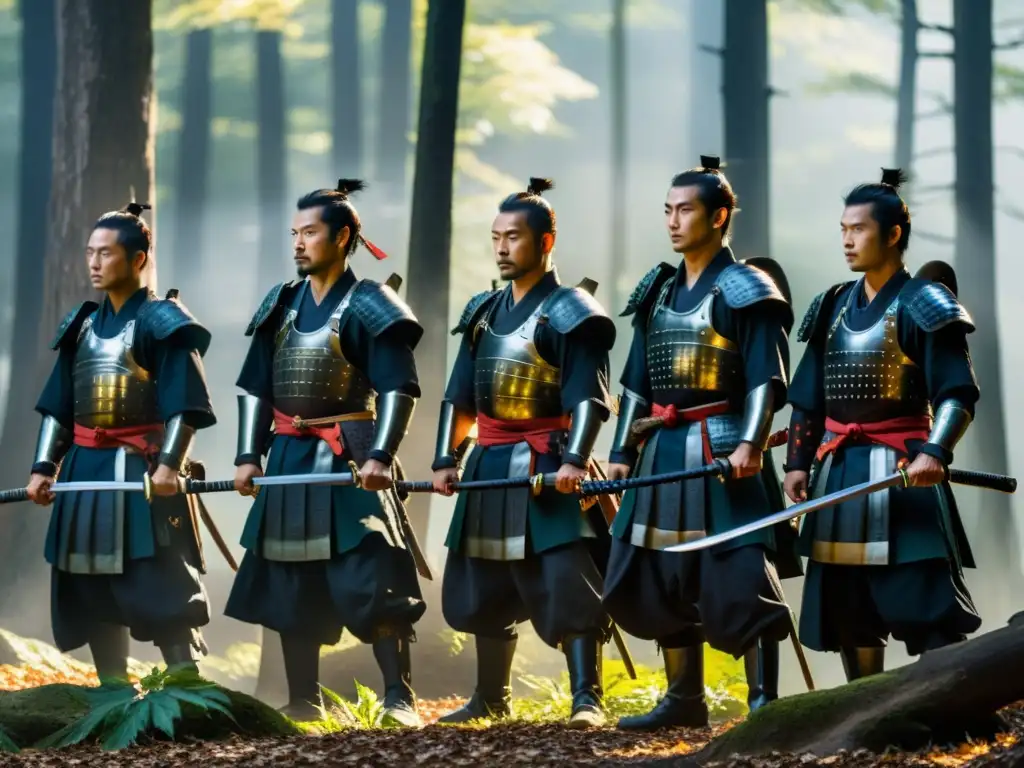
[(619, 154), (193, 158), (346, 100), (270, 156), (745, 94), (906, 98), (35, 168), (395, 99), (935, 700), (102, 149), (985, 442), (431, 226)]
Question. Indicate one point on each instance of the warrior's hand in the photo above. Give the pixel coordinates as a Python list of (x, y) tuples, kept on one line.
[(617, 471), (244, 475), (375, 476), (443, 479), (795, 485), (165, 481), (745, 461), (926, 470), (569, 478), (38, 490)]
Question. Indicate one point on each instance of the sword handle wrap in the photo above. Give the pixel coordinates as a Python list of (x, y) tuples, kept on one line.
[(415, 486), (13, 495), (208, 486), (992, 482), (357, 479)]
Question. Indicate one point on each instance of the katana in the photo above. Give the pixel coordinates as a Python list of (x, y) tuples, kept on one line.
[(899, 478)]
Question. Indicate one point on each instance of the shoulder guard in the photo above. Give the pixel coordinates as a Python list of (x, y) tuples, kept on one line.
[(933, 306), (277, 296), (160, 319), (72, 322), (647, 289), (566, 309), (743, 285), (475, 307), (820, 311), (379, 308)]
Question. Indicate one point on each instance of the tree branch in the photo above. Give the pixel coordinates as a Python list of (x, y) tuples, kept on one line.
[(1012, 212), (933, 188), (933, 237), (934, 152), (772, 91), (941, 112), (712, 49), (936, 55), (1009, 45), (936, 28)]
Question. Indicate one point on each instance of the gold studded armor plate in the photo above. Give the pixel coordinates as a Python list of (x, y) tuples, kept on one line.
[(511, 381), (684, 351), (312, 379), (110, 388), (868, 376)]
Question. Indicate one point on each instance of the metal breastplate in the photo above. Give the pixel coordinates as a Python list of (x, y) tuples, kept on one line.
[(868, 377), (312, 378), (684, 351), (511, 380), (110, 388)]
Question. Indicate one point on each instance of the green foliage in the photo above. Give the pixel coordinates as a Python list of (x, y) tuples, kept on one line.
[(7, 743), (337, 714), (1008, 83), (120, 712), (855, 83), (456, 640), (888, 8)]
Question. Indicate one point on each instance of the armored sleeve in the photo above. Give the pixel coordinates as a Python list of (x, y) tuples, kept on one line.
[(381, 311), (585, 395), (56, 405), (646, 291), (635, 401), (459, 391)]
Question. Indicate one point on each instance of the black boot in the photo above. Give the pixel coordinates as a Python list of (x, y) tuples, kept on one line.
[(762, 666), (493, 696), (391, 649), (109, 646), (182, 649), (683, 704), (861, 662), (583, 656), (302, 669)]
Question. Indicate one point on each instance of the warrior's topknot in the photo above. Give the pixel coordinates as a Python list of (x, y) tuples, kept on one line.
[(132, 232), (894, 177), (887, 207), (713, 188), (540, 215)]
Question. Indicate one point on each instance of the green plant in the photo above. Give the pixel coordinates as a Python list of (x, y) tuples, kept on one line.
[(120, 712), (7, 743), (367, 712)]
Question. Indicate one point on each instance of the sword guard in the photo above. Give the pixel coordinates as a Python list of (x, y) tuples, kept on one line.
[(726, 470), (357, 481), (147, 487), (537, 484)]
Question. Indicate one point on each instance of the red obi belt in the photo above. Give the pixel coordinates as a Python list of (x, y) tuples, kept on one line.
[(892, 432), (673, 417), (536, 432), (147, 439)]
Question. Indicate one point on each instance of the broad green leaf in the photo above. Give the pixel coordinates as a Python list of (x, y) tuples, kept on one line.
[(135, 720), (166, 712), (7, 743)]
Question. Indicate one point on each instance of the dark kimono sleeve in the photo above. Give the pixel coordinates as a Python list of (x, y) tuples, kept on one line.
[(944, 358), (764, 344), (57, 398), (459, 391), (181, 383), (257, 374), (583, 362), (807, 396), (636, 379)]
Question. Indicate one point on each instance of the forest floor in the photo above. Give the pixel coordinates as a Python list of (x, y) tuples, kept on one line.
[(520, 743)]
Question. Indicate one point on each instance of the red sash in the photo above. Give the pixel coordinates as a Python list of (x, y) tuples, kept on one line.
[(892, 432), (147, 439), (536, 432), (672, 416)]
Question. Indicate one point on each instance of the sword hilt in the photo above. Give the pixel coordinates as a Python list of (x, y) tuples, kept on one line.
[(208, 486), (13, 495), (992, 482), (415, 486)]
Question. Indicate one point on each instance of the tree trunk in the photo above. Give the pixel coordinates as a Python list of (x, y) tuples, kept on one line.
[(906, 99), (346, 101), (619, 153), (431, 227), (985, 441), (745, 93), (193, 159), (705, 76), (101, 150), (270, 157), (35, 167), (935, 700), (395, 98)]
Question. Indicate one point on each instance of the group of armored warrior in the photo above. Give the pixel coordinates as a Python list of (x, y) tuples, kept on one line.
[(329, 385)]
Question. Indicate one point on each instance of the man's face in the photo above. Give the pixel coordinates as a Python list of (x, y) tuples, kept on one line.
[(109, 264), (863, 245), (689, 225), (515, 250), (315, 250)]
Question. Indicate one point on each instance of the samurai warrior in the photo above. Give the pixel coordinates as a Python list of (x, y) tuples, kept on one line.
[(532, 375), (124, 400), (331, 368), (886, 379)]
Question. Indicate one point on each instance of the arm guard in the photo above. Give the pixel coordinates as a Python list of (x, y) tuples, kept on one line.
[(757, 416), (631, 408), (951, 421), (254, 419), (54, 441), (586, 424), (394, 412), (177, 442), (444, 453)]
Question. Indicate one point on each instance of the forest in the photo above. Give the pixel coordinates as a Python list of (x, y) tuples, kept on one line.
[(221, 113)]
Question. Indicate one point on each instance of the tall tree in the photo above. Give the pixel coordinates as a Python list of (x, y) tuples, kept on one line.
[(395, 98), (745, 95), (346, 101), (270, 155), (906, 94), (102, 149), (193, 157), (431, 225), (704, 71), (619, 153), (35, 168)]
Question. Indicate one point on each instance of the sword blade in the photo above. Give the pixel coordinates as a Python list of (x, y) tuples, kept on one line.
[(98, 485), (782, 516), (324, 478)]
